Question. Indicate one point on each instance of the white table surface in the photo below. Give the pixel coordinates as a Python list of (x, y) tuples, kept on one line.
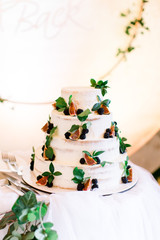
[(131, 215)]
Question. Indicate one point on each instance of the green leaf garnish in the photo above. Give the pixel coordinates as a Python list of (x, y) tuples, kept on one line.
[(51, 168), (70, 100), (57, 173), (95, 154), (61, 103), (49, 153), (74, 128), (103, 163), (86, 152), (106, 102), (123, 145), (53, 130), (45, 174), (84, 115), (78, 175), (86, 125), (96, 106), (100, 84)]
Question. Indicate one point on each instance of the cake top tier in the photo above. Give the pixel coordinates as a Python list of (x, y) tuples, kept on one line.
[(83, 97)]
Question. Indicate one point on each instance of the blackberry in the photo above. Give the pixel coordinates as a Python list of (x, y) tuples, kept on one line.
[(124, 179), (116, 134), (111, 136), (80, 186), (66, 111), (79, 111), (48, 131), (32, 165), (43, 148), (50, 125), (49, 184), (128, 167), (82, 161), (67, 135), (84, 131), (94, 181), (53, 157), (42, 154), (39, 177), (106, 135), (82, 136), (97, 160), (94, 186), (108, 130), (57, 108), (100, 111), (121, 151)]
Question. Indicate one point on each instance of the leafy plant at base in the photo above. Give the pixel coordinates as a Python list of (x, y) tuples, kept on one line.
[(123, 145), (26, 220), (100, 84), (105, 102), (51, 173)]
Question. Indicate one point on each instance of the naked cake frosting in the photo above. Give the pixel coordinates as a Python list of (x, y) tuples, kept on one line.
[(83, 149)]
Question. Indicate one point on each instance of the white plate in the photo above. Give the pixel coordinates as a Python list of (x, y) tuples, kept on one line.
[(30, 178)]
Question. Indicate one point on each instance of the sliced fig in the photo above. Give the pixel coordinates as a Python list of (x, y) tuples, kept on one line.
[(75, 135), (44, 155), (89, 160), (112, 130), (45, 127), (54, 105), (87, 185), (106, 110), (42, 181), (130, 175), (72, 109)]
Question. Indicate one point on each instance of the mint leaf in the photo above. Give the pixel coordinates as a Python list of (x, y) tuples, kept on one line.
[(45, 174), (57, 173), (99, 99), (61, 103), (106, 102), (47, 225), (78, 173), (74, 128), (86, 152), (86, 125), (100, 83), (84, 115), (97, 153), (93, 82), (103, 163), (49, 153), (51, 168), (103, 91), (50, 179), (96, 107), (61, 109), (76, 180), (53, 130), (70, 100)]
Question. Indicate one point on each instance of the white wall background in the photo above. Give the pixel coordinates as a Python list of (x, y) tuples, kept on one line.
[(46, 44)]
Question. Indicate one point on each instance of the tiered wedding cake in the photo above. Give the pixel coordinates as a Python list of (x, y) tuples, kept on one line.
[(83, 149)]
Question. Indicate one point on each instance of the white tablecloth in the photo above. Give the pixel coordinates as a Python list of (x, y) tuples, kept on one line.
[(131, 215)]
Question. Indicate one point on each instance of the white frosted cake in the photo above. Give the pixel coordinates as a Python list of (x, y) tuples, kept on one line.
[(83, 149)]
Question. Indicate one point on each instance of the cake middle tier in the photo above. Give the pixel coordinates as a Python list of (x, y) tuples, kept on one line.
[(99, 123), (69, 151)]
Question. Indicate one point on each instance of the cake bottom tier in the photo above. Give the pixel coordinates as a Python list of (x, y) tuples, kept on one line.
[(108, 176)]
